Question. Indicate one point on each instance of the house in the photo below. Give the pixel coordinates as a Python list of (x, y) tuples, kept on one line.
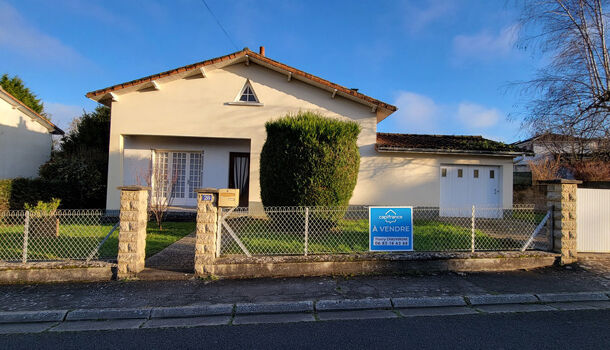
[(551, 145), (204, 123), (25, 138)]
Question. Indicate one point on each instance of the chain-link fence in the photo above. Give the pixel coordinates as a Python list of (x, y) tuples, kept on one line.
[(332, 230), (62, 235)]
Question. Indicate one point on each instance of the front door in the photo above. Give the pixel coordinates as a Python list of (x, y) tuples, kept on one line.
[(239, 175), (184, 171)]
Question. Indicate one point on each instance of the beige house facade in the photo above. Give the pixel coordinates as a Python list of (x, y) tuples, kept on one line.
[(25, 138), (205, 124)]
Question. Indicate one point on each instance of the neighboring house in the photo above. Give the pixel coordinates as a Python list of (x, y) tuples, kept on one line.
[(550, 145), (204, 123), (25, 138)]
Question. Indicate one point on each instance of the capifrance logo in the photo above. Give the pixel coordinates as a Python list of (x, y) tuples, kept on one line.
[(390, 217)]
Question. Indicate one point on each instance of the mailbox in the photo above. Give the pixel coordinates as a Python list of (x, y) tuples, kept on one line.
[(228, 197)]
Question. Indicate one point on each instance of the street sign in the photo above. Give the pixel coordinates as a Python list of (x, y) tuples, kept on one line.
[(390, 228)]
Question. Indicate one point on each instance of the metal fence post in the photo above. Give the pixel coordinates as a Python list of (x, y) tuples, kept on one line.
[(306, 230), (26, 233), (472, 225)]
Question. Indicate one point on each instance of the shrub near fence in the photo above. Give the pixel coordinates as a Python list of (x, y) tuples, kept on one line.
[(293, 231)]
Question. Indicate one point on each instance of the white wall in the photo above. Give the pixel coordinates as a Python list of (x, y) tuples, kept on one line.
[(24, 144), (138, 151), (414, 179)]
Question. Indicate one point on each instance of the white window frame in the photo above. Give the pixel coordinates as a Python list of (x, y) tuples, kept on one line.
[(237, 101), (170, 161)]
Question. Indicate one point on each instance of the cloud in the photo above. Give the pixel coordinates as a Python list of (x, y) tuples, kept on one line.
[(475, 116), (19, 36), (417, 113), (421, 114), (424, 13), (485, 45), (62, 114)]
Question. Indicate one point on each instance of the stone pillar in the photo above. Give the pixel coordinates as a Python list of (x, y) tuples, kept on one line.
[(561, 195), (132, 230), (206, 230)]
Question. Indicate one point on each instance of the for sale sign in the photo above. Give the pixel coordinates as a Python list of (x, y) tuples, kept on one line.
[(390, 228)]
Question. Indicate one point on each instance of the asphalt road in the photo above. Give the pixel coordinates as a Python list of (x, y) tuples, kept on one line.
[(537, 330)]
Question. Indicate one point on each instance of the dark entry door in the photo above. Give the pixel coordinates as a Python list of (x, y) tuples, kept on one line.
[(239, 175)]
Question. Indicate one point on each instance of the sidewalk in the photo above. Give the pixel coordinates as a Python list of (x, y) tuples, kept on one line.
[(584, 277)]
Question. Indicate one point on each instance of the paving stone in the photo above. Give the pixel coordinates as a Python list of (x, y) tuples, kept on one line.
[(355, 315), (107, 314), (514, 308), (560, 297), (428, 301), (187, 322), (273, 318), (36, 327), (192, 311), (274, 307), (97, 325), (32, 316), (579, 305), (502, 299), (353, 304), (437, 311)]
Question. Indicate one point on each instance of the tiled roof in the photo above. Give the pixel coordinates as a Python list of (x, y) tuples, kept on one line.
[(40, 118), (247, 52), (443, 144)]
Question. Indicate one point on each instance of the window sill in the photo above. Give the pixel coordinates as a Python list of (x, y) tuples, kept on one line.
[(240, 103)]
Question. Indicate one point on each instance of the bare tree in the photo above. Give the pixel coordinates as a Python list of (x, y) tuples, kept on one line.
[(162, 185), (545, 169), (572, 92)]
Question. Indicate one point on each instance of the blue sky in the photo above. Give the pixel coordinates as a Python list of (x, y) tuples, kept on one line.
[(447, 64)]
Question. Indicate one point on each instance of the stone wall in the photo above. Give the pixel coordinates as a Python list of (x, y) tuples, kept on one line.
[(206, 230)]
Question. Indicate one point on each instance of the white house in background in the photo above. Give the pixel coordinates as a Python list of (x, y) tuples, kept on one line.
[(25, 138), (550, 145), (205, 123)]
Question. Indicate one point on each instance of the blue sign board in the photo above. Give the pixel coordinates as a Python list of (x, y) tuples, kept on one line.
[(207, 197), (390, 228)]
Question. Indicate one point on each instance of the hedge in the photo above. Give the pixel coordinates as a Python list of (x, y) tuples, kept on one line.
[(14, 193), (309, 160)]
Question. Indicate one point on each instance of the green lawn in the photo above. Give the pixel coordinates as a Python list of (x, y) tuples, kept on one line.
[(79, 241), (261, 237)]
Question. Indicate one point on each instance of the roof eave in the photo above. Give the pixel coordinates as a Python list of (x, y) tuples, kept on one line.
[(52, 128), (390, 149)]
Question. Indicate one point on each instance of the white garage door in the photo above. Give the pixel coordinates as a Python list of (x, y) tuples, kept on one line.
[(463, 186)]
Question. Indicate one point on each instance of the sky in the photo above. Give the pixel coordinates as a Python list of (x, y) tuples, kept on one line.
[(449, 66)]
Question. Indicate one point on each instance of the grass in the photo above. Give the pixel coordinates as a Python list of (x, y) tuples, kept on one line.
[(78, 241), (261, 237)]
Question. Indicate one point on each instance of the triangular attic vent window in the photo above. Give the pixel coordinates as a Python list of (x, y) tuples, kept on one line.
[(247, 94)]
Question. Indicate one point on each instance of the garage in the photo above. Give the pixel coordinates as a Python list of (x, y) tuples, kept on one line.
[(462, 186)]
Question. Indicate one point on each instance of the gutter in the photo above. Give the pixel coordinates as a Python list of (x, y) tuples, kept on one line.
[(386, 149)]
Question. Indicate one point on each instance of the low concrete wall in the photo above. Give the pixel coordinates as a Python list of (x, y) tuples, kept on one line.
[(361, 264), (47, 272)]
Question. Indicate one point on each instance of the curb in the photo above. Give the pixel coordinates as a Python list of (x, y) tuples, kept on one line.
[(490, 299), (292, 307), (273, 307), (32, 316), (353, 304)]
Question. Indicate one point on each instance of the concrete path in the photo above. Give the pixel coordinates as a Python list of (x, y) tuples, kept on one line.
[(179, 256), (297, 311)]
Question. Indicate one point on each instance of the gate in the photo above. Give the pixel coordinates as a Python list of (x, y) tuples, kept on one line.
[(593, 220)]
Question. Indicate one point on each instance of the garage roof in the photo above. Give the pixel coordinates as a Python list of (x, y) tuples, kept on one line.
[(453, 144)]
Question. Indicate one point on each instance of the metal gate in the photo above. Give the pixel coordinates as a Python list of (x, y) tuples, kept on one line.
[(593, 220)]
